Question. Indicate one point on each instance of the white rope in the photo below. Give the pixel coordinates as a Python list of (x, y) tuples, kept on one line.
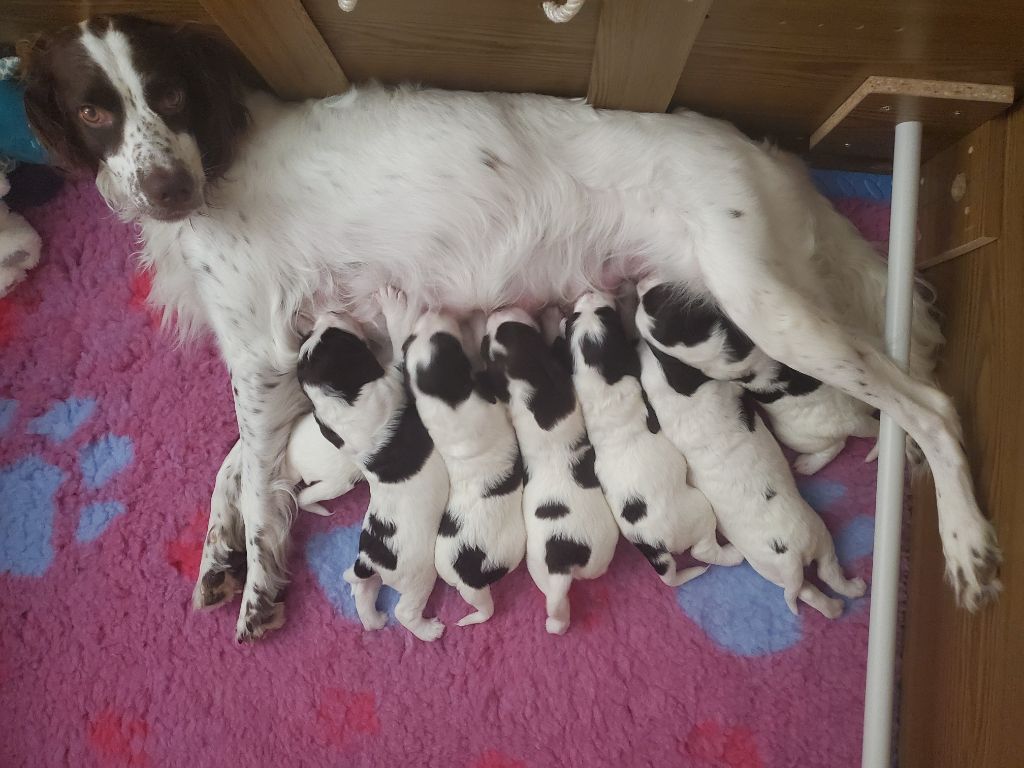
[(557, 13), (347, 5)]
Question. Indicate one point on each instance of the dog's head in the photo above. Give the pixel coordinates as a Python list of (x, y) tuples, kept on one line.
[(153, 110)]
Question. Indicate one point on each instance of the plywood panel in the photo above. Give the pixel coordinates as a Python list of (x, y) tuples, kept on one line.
[(21, 18), (962, 676), (503, 45), (864, 125), (781, 67), (961, 198), (642, 47)]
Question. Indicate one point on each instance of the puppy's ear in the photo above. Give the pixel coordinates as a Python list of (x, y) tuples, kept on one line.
[(218, 78), (48, 116)]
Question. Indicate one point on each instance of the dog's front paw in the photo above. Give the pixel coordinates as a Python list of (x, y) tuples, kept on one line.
[(220, 581), (258, 617), (972, 563)]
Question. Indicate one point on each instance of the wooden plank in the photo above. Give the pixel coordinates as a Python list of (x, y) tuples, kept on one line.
[(961, 199), (780, 67), (962, 677), (475, 45), (279, 39), (863, 126), (19, 19), (642, 47)]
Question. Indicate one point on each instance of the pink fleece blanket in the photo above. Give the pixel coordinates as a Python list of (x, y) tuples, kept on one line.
[(111, 438)]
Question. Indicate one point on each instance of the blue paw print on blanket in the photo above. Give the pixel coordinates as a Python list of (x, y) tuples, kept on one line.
[(332, 553), (29, 487), (745, 614)]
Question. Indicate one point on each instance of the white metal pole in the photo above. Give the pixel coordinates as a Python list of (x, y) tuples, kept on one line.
[(885, 571)]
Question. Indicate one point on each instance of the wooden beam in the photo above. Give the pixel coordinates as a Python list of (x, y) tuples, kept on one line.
[(861, 128), (280, 40), (641, 49)]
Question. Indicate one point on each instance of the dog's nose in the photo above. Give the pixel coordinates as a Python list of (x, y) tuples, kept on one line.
[(170, 188)]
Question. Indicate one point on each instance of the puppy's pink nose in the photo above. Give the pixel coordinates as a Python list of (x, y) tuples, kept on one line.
[(169, 188)]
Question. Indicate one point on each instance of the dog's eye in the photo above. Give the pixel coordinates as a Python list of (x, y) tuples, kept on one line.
[(170, 101), (95, 117)]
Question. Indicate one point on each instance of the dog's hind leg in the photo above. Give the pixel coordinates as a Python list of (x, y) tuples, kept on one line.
[(365, 586), (556, 599), (810, 463), (708, 550), (409, 612), (791, 329), (480, 599), (830, 572)]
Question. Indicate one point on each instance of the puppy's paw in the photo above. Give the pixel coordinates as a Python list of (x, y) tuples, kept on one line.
[(258, 617), (556, 626), (832, 608), (428, 630), (856, 588), (375, 621), (972, 563)]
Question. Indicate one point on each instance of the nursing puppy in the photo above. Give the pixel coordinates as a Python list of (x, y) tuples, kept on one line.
[(366, 409), (740, 468), (570, 531), (316, 459), (806, 415), (482, 535), (642, 473)]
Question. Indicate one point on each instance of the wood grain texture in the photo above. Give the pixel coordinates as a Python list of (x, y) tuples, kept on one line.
[(20, 19), (962, 675), (280, 40), (864, 125), (641, 49), (780, 67), (961, 200), (476, 45)]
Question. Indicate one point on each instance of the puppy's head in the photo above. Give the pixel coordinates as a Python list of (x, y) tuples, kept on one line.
[(336, 359), (597, 339), (154, 111)]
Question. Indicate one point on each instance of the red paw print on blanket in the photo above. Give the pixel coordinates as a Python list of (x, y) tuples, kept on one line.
[(711, 744)]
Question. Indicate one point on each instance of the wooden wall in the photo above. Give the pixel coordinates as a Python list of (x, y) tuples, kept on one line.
[(775, 67), (963, 675)]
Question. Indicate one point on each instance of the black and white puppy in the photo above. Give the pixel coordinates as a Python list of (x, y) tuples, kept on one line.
[(482, 535), (740, 468), (642, 473), (366, 409), (570, 531), (807, 416), (323, 467)]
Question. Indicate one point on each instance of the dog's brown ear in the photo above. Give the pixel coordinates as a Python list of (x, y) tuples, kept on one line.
[(218, 79), (47, 115)]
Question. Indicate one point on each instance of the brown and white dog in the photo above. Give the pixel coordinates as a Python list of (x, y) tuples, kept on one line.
[(252, 210)]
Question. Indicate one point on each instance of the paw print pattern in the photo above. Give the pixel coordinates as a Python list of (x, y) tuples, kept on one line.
[(29, 487)]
